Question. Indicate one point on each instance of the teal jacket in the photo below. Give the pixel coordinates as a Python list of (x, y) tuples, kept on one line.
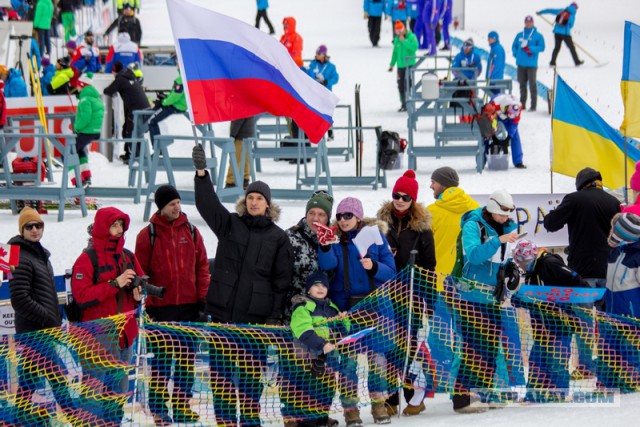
[(90, 112)]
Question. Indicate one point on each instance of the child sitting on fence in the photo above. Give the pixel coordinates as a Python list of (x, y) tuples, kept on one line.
[(313, 333)]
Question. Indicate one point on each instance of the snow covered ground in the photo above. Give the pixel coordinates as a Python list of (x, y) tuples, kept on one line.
[(339, 25)]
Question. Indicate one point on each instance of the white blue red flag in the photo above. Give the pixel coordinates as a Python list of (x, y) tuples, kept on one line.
[(9, 256), (355, 337), (232, 70)]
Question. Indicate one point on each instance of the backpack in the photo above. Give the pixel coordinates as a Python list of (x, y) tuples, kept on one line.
[(459, 262), (389, 150), (485, 121), (73, 309), (563, 17), (153, 234)]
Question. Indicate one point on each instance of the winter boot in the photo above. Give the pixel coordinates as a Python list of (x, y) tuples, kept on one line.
[(412, 410), (290, 423), (379, 412), (392, 410), (352, 417)]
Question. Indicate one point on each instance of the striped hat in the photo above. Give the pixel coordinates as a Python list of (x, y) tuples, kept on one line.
[(625, 228)]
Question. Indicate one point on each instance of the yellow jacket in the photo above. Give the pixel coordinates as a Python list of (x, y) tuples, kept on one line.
[(446, 213)]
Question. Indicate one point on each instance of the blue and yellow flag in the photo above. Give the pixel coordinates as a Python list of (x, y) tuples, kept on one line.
[(582, 138), (630, 84)]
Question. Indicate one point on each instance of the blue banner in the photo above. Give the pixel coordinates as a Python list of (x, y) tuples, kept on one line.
[(562, 294)]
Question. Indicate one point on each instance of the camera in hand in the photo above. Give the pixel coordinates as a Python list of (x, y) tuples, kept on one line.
[(142, 281)]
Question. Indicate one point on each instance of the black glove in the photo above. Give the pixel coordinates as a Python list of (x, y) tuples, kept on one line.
[(272, 321), (318, 366), (199, 158)]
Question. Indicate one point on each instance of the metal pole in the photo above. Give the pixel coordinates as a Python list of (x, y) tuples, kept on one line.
[(412, 270), (139, 348), (553, 104)]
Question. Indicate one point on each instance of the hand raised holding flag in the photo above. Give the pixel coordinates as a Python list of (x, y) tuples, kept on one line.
[(326, 235)]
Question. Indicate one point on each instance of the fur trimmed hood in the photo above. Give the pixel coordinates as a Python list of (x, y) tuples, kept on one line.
[(273, 211), (420, 220)]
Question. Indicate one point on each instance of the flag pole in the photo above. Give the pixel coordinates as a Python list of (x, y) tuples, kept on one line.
[(626, 145), (553, 105)]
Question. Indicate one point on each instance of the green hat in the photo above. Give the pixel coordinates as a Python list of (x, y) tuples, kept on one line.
[(321, 199)]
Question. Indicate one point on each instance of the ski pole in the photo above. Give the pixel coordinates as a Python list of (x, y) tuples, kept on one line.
[(593, 58)]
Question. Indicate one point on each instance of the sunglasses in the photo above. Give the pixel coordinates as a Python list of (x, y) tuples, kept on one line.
[(37, 226), (404, 197), (346, 216), (503, 208)]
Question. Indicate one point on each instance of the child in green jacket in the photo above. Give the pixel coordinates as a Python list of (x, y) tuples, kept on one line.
[(311, 329)]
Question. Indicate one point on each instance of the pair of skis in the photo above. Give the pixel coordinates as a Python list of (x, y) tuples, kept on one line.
[(359, 142)]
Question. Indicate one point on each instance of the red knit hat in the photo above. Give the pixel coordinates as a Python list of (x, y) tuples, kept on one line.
[(407, 184), (635, 179)]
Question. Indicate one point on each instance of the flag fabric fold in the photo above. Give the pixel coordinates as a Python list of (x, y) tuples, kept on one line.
[(582, 138), (232, 70), (9, 256), (630, 83)]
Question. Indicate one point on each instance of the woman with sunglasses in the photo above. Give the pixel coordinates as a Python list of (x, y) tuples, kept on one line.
[(409, 228), (355, 277), (487, 233)]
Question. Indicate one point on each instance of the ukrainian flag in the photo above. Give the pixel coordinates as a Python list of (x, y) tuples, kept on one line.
[(630, 84), (582, 138)]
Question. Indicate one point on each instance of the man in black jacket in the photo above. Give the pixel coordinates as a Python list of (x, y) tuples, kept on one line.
[(35, 302), (249, 284), (588, 213), (133, 98), (127, 23)]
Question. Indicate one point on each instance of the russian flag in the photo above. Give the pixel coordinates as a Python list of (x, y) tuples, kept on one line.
[(232, 70)]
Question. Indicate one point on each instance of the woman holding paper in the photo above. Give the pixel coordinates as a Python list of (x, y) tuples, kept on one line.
[(359, 257), (409, 228)]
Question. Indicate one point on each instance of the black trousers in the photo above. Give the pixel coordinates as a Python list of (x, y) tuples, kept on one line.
[(527, 75), (402, 85), (262, 14), (568, 40), (374, 29)]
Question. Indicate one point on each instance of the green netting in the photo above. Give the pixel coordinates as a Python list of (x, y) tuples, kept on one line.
[(229, 374)]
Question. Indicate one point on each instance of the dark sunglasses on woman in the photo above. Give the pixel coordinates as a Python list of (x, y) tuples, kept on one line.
[(503, 208), (346, 216), (404, 197)]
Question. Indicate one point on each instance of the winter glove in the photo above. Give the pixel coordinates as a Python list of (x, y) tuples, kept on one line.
[(526, 49), (326, 235), (366, 15), (318, 366), (538, 13), (390, 69), (199, 158)]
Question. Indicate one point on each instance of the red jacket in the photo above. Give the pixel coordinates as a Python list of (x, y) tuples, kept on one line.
[(292, 41), (3, 105), (101, 299), (176, 262)]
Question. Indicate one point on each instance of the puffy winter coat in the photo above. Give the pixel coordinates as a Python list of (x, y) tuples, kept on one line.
[(327, 69), (304, 244), (535, 43), (253, 267), (176, 261), (446, 213), (47, 75), (86, 59), (623, 280), (467, 60), (99, 299), (262, 4), (60, 82), (566, 28), (361, 281), (495, 64), (587, 214), (32, 289), (177, 97), (373, 7), (43, 15), (483, 256), (306, 322), (90, 112), (132, 94), (292, 41), (124, 50), (404, 48), (397, 10), (15, 86)]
